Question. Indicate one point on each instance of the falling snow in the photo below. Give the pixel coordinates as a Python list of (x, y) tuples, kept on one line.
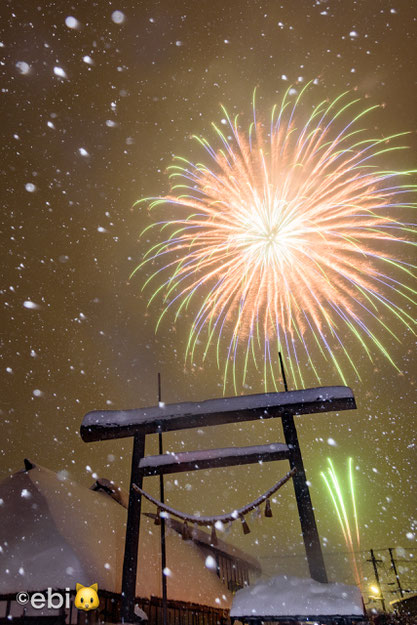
[(210, 562), (31, 305), (118, 17), (96, 102), (72, 22), (58, 71), (23, 67)]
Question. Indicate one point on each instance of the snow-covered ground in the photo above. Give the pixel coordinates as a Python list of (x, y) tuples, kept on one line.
[(294, 596)]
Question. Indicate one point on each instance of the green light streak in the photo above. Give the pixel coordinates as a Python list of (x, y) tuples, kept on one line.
[(341, 508)]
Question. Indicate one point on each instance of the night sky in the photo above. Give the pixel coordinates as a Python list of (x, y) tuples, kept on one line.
[(97, 98)]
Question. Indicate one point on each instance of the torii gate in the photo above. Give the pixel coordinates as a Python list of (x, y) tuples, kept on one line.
[(108, 424)]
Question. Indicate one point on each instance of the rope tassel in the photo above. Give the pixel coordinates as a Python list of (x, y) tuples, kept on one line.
[(256, 514), (245, 526), (268, 511), (213, 537), (186, 534)]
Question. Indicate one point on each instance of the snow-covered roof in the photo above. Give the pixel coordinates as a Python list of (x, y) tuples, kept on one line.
[(294, 596), (101, 424), (55, 532)]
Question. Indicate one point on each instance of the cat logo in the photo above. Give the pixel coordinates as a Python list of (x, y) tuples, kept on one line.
[(87, 598)]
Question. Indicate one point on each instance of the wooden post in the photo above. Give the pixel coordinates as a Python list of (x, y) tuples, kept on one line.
[(305, 507), (302, 494), (163, 546), (132, 534)]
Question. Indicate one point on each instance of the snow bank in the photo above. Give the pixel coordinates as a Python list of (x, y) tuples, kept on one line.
[(294, 596)]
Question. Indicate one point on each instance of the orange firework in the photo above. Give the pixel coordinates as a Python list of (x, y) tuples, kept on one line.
[(283, 242)]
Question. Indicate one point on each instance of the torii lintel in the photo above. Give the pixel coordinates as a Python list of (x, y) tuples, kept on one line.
[(107, 424)]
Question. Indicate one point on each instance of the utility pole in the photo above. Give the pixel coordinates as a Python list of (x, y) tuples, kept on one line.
[(397, 577), (378, 585)]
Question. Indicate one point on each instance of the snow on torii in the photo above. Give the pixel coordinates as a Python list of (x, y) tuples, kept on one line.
[(105, 424)]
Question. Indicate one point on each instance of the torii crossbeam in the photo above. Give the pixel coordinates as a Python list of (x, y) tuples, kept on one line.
[(109, 424)]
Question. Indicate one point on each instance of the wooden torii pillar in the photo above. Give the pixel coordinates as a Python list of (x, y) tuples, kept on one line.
[(108, 424)]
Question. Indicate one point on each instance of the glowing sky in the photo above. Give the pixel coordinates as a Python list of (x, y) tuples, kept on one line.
[(98, 98)]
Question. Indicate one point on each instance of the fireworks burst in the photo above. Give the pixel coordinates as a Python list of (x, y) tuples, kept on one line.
[(351, 537), (280, 243)]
